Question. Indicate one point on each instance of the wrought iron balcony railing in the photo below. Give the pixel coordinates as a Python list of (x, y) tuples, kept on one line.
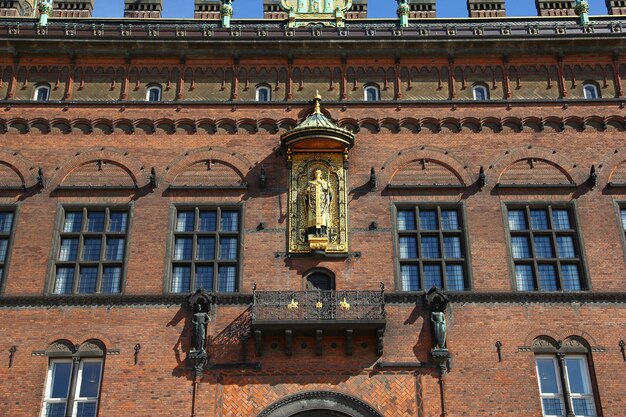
[(315, 305)]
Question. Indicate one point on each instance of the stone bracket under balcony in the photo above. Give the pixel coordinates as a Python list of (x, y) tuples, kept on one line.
[(318, 314)]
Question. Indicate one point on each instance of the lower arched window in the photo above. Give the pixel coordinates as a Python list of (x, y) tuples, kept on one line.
[(153, 93), (481, 92), (372, 93), (591, 91), (42, 92), (263, 93)]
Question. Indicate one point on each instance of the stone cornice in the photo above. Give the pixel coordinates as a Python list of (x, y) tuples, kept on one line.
[(386, 125), (242, 299), (440, 33)]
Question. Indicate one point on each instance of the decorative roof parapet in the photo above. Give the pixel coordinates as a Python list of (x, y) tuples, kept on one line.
[(421, 9), (73, 8), (556, 8), (13, 8), (486, 8), (143, 8), (325, 12), (616, 7), (207, 9)]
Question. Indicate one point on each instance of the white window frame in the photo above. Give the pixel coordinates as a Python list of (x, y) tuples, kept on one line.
[(74, 385), (561, 393), (543, 396), (596, 91), (39, 88), (154, 87), (267, 90), (484, 89), (586, 381), (371, 88)]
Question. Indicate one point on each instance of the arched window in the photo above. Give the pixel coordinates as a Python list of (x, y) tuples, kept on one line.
[(263, 93), (320, 280), (42, 92), (591, 91), (153, 94), (481, 92), (372, 93)]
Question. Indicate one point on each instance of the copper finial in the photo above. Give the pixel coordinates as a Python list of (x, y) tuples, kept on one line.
[(317, 99)]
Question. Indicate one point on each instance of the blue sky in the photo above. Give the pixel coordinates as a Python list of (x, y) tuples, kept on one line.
[(377, 8)]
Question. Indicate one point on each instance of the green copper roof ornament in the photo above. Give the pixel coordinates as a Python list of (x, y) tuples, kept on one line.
[(403, 12), (45, 10), (226, 12), (582, 10)]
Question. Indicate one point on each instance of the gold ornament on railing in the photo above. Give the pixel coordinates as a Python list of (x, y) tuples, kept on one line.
[(293, 305), (344, 304), (319, 305)]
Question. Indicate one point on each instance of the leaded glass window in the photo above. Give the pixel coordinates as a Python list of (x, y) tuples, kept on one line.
[(6, 234), (545, 249), (431, 248), (206, 249)]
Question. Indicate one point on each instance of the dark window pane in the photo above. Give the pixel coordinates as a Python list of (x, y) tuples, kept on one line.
[(517, 220), (539, 219), (68, 250), (480, 93), (4, 246), (520, 247), (117, 223), (430, 247), (432, 277), (547, 277), (42, 94), (547, 376), (227, 279), (371, 94), (181, 278), (623, 211), (55, 410), (410, 277), (565, 245), (408, 247), (73, 222), (552, 407), (228, 248), (183, 249), (263, 94), (406, 220), (208, 221), (560, 219), (450, 220), (583, 407), (184, 221), (115, 249), (524, 277), (204, 278), (543, 247), (90, 381), (86, 409), (91, 249), (64, 280), (6, 222), (452, 247), (154, 94), (571, 277), (456, 278), (88, 280), (591, 93), (95, 221), (61, 374), (428, 220), (112, 280), (206, 248), (230, 221)]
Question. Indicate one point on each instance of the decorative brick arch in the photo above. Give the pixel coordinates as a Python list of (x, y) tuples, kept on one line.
[(320, 400), (560, 335), (22, 167), (404, 157), (133, 167), (610, 165), (568, 168), (236, 160)]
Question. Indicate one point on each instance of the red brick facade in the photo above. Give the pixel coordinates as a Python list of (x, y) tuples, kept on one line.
[(536, 139)]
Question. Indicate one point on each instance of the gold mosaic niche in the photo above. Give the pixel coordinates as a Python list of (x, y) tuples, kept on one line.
[(304, 165)]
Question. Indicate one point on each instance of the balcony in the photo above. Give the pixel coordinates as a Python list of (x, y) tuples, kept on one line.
[(317, 314)]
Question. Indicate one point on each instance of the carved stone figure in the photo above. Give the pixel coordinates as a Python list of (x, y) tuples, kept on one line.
[(317, 198), (439, 325), (200, 320)]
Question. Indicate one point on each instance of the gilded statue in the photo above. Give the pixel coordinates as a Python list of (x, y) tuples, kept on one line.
[(317, 198)]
